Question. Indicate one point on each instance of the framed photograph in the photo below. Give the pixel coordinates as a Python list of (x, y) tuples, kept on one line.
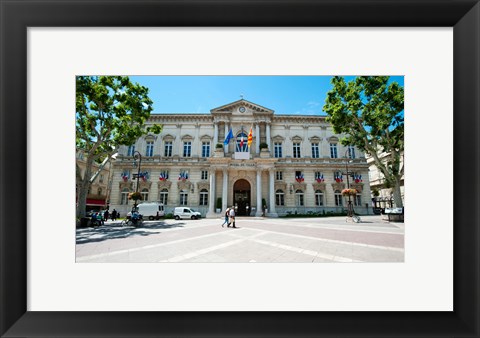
[(39, 296)]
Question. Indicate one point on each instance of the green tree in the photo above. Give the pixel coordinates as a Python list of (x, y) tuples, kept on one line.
[(369, 111), (110, 111)]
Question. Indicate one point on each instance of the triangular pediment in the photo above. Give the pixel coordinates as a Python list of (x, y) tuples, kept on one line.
[(242, 106)]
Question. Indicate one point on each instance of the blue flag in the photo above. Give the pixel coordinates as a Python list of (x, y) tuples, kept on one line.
[(229, 137)]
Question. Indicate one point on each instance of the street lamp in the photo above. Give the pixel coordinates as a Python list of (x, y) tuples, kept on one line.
[(137, 155), (350, 209)]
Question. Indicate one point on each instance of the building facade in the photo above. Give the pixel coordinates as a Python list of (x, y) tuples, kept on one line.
[(293, 165)]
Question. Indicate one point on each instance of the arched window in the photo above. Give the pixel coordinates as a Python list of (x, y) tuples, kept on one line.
[(99, 191), (144, 193), (242, 139), (338, 198), (204, 197), (184, 197), (279, 197), (163, 197), (299, 200), (124, 196), (319, 198)]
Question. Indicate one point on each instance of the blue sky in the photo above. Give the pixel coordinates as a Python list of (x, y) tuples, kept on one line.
[(296, 95)]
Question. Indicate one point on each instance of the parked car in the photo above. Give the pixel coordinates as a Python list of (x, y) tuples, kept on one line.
[(186, 212)]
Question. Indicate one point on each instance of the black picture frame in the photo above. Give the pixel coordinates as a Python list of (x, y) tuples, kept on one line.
[(18, 15)]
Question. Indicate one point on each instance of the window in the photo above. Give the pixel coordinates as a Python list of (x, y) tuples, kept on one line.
[(319, 198), (351, 152), (183, 197), (299, 198), (277, 147), (168, 149), (204, 175), (279, 175), (296, 150), (205, 149), (358, 200), (144, 193), (242, 145), (315, 150), (100, 180), (204, 197), (338, 176), (131, 150), (338, 198), (124, 197), (99, 191), (163, 175), (299, 176), (319, 177), (149, 148), (163, 196), (333, 150), (279, 198), (187, 149)]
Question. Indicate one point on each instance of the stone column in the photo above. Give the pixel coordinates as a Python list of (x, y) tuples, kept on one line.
[(211, 206), (259, 194), (272, 212), (177, 143), (257, 139), (268, 137), (225, 190), (215, 134), (288, 142), (197, 144), (305, 143)]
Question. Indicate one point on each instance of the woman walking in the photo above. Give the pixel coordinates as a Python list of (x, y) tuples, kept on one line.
[(227, 214)]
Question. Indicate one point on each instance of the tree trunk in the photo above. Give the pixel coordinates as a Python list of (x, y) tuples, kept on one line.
[(397, 194), (82, 201), (84, 184)]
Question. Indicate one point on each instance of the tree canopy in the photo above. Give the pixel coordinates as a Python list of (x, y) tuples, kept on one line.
[(110, 111), (369, 112)]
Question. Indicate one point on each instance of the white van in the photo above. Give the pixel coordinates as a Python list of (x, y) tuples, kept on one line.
[(151, 211), (186, 212)]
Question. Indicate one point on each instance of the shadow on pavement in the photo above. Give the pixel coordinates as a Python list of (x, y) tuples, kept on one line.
[(115, 231)]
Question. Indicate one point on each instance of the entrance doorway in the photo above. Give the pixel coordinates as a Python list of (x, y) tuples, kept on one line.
[(241, 198)]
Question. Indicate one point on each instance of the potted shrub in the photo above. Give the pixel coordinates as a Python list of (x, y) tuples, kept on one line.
[(264, 152), (218, 150)]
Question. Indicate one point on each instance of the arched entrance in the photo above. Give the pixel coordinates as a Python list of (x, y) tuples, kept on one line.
[(241, 197)]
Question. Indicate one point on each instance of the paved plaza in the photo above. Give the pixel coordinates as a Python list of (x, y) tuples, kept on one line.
[(257, 239)]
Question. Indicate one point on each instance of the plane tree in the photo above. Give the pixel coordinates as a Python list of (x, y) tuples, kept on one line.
[(110, 111), (368, 111)]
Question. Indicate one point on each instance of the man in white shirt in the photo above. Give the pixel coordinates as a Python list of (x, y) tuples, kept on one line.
[(232, 217)]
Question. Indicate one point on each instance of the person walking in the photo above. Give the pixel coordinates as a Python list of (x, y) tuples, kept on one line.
[(232, 217), (105, 215), (227, 214), (114, 215)]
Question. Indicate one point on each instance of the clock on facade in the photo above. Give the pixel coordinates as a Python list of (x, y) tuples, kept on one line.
[(241, 109)]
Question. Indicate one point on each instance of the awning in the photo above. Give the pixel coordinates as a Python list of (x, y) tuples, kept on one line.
[(93, 201)]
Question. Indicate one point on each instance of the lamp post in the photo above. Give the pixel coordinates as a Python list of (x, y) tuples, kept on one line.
[(136, 155), (350, 210)]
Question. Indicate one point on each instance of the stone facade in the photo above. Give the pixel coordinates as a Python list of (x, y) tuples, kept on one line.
[(184, 167)]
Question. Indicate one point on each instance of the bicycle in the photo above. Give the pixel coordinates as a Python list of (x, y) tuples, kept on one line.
[(351, 215)]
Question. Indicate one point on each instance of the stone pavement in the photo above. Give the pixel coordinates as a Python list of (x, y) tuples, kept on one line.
[(257, 239)]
